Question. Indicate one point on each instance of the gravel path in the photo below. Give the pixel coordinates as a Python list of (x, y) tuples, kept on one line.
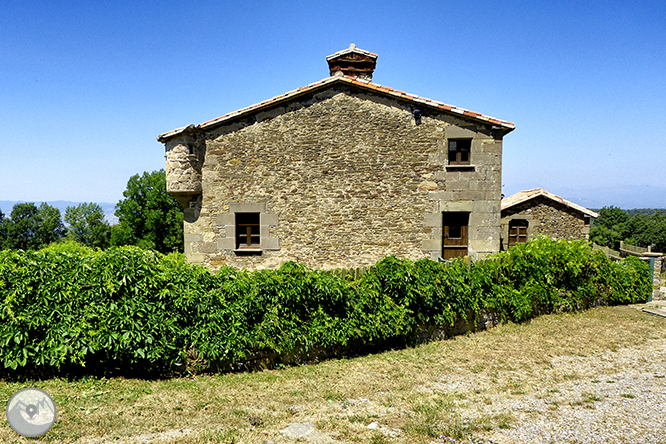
[(614, 397), (617, 397)]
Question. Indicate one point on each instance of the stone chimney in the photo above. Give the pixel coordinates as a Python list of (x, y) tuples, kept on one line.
[(352, 62)]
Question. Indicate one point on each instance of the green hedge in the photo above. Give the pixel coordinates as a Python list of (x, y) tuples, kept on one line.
[(70, 308)]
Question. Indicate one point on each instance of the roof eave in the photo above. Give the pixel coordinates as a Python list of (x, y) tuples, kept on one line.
[(497, 124), (552, 197)]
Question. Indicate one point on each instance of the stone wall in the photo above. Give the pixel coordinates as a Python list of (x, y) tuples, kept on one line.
[(547, 217), (344, 178)]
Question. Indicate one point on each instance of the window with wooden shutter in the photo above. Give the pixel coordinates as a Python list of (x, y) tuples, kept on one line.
[(455, 228), (247, 231), (518, 231), (459, 151)]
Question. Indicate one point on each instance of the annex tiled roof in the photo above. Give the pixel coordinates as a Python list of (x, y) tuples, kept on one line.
[(363, 84), (524, 196)]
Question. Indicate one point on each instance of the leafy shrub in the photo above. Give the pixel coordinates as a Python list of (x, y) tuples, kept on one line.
[(67, 245), (64, 308), (546, 276), (72, 307)]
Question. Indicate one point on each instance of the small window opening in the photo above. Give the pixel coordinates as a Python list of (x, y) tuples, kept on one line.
[(518, 231), (247, 231), (459, 151)]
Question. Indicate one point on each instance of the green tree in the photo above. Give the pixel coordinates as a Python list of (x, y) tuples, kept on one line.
[(647, 227), (3, 230), (609, 228), (610, 217), (148, 216), (87, 225), (607, 237), (647, 231), (31, 228)]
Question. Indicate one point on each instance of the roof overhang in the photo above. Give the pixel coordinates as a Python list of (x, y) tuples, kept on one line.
[(526, 195), (501, 125)]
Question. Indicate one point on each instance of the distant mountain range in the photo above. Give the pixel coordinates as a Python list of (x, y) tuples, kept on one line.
[(108, 208)]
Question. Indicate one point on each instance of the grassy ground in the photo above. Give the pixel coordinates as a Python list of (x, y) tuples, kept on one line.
[(343, 397)]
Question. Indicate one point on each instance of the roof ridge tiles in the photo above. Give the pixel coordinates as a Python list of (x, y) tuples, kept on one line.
[(353, 81), (525, 195)]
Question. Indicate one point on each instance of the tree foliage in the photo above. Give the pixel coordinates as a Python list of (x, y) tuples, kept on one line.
[(647, 231), (87, 225), (645, 211), (148, 216), (30, 227), (644, 228), (611, 217), (3, 230)]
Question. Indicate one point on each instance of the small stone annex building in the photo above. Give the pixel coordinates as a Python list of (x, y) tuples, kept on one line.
[(537, 211), (338, 174)]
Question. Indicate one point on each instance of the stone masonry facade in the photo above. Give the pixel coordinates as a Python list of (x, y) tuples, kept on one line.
[(345, 178), (548, 218), (338, 176)]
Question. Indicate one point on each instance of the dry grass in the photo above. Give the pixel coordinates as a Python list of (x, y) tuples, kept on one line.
[(414, 395)]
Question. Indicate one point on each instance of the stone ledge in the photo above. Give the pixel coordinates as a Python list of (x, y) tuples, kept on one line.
[(247, 207)]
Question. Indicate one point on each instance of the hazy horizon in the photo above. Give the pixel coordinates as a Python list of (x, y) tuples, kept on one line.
[(87, 87)]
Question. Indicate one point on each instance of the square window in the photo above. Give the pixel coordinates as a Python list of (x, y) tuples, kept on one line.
[(247, 231), (459, 151)]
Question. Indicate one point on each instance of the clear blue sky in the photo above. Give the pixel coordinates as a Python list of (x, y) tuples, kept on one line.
[(86, 86)]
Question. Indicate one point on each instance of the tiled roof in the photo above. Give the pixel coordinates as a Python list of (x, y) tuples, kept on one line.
[(363, 84), (524, 196)]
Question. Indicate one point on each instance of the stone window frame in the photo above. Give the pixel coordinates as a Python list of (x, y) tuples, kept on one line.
[(266, 221), (434, 222), (452, 219), (506, 220), (441, 157)]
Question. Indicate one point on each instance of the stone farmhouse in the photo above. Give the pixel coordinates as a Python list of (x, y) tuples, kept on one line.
[(537, 211), (338, 174)]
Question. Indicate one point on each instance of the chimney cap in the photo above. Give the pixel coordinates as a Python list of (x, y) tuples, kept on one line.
[(352, 62)]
